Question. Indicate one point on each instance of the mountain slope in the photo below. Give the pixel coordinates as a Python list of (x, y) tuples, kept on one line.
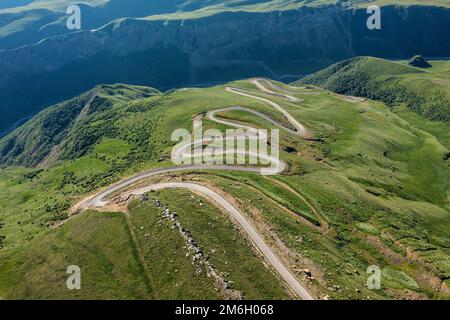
[(24, 22), (30, 21), (426, 91), (377, 180), (118, 263), (62, 131)]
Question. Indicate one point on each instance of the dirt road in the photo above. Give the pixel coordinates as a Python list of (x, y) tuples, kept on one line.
[(100, 199)]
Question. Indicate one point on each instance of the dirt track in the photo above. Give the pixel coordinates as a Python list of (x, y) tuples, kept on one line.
[(99, 200)]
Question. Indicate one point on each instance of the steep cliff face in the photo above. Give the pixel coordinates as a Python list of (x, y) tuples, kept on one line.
[(24, 22), (216, 48)]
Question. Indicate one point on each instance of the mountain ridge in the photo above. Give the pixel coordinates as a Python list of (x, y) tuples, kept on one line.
[(58, 132), (391, 82), (375, 172), (167, 54)]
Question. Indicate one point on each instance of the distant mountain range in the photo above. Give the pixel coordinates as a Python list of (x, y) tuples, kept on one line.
[(25, 22), (166, 44)]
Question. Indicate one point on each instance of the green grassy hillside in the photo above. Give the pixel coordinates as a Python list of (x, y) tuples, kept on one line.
[(69, 129), (136, 258), (167, 44), (28, 21), (426, 91), (99, 243), (375, 191)]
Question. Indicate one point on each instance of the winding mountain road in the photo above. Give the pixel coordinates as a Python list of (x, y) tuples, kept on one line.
[(301, 130), (243, 222), (99, 199)]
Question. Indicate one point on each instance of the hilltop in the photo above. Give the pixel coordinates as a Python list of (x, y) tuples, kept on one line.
[(426, 91)]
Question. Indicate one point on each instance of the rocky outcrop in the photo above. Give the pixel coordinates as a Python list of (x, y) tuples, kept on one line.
[(419, 62), (199, 258)]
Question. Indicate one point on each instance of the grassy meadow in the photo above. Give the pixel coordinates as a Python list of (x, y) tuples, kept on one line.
[(374, 191)]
